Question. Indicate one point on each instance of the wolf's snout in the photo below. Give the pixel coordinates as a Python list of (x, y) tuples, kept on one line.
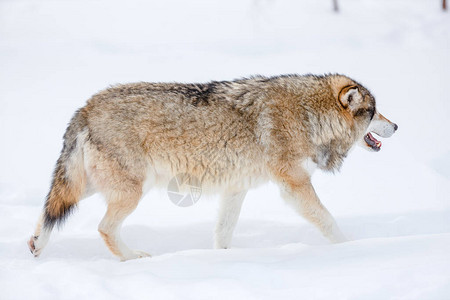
[(382, 126)]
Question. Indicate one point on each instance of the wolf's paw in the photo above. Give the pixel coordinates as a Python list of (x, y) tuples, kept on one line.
[(338, 237), (222, 242), (135, 254), (219, 246), (339, 240), (33, 246)]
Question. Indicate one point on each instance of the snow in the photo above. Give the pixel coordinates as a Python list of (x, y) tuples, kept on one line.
[(394, 205)]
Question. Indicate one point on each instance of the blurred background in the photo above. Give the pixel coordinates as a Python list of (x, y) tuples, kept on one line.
[(55, 54)]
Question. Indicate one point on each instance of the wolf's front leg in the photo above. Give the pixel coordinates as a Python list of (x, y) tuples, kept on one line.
[(299, 192), (230, 208)]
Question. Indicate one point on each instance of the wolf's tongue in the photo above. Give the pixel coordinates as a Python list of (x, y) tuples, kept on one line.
[(372, 141)]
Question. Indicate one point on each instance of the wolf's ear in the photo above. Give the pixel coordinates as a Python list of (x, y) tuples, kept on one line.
[(350, 96)]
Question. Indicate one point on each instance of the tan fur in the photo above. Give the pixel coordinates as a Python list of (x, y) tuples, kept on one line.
[(232, 136), (60, 190)]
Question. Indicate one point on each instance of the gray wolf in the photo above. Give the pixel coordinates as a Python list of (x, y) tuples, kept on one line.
[(231, 135)]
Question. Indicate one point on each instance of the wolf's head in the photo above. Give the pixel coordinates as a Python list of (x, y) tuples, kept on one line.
[(360, 106)]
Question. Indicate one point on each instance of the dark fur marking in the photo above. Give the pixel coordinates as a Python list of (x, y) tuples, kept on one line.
[(51, 221), (361, 112), (199, 94), (372, 112), (365, 112), (350, 99)]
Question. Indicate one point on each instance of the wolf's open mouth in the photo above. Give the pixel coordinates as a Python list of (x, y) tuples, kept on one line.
[(372, 142)]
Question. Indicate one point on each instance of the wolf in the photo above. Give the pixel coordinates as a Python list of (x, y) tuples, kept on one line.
[(230, 135)]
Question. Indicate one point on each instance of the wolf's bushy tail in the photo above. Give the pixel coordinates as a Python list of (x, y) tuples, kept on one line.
[(69, 177)]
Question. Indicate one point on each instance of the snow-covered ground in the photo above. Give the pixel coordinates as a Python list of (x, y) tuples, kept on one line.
[(394, 204)]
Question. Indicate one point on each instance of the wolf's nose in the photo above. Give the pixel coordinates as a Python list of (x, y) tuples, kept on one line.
[(395, 127)]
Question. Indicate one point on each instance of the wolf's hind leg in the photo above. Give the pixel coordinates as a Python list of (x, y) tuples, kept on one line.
[(230, 208), (40, 238), (120, 205)]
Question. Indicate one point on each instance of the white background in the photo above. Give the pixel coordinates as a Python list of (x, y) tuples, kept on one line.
[(393, 205)]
